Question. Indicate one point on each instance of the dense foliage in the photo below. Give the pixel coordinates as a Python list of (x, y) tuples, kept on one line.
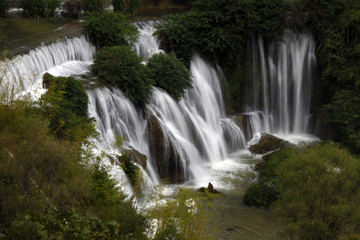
[(216, 28), (122, 68), (4, 6), (170, 74), (47, 191), (263, 192), (65, 105), (131, 170), (320, 193), (39, 8), (336, 25), (109, 29)]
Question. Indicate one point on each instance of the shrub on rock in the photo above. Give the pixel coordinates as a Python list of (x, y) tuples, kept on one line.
[(170, 74), (122, 68)]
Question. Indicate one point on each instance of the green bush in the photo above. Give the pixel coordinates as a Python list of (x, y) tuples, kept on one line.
[(93, 5), (261, 194), (169, 74), (122, 68), (102, 33), (4, 6), (59, 225), (217, 28), (320, 193), (118, 5), (65, 105), (39, 8)]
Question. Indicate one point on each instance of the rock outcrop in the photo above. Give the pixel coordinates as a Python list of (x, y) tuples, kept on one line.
[(269, 143), (163, 152)]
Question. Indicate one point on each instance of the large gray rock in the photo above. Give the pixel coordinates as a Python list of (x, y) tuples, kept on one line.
[(269, 143)]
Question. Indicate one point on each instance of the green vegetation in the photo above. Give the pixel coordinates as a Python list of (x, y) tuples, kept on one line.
[(169, 74), (339, 58), (218, 30), (319, 193), (184, 217), (39, 8), (130, 169), (4, 6), (102, 34), (263, 193), (122, 68), (49, 188), (65, 105)]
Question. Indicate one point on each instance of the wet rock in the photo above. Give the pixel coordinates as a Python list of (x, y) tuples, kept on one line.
[(136, 156), (243, 123), (268, 143), (162, 150), (209, 189)]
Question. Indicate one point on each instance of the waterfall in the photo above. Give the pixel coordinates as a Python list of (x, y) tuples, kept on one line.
[(194, 132), (23, 73), (278, 95)]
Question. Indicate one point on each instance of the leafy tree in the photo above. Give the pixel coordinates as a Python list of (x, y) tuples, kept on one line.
[(122, 68), (170, 74), (39, 8), (319, 193), (109, 29)]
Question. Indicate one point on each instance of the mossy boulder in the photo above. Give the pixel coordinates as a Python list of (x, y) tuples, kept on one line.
[(209, 189), (268, 143)]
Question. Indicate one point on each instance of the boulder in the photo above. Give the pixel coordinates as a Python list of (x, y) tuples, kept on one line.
[(268, 143), (136, 156), (163, 152), (209, 189)]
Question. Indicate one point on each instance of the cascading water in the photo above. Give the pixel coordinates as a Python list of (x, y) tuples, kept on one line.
[(279, 91), (195, 131), (23, 72)]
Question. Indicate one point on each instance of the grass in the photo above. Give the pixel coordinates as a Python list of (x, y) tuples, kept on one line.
[(19, 27)]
